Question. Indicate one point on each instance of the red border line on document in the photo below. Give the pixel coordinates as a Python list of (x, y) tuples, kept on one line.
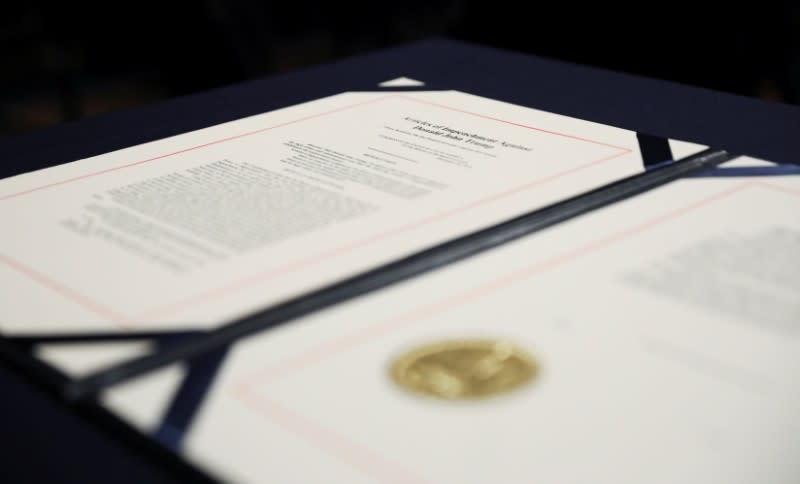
[(359, 457), (118, 319), (185, 150), (170, 308), (534, 128)]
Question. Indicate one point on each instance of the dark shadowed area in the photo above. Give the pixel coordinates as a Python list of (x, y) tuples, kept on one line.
[(61, 61)]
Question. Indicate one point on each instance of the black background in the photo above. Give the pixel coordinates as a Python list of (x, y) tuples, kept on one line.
[(66, 60)]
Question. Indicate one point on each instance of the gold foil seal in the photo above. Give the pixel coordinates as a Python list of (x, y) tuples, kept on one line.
[(465, 369)]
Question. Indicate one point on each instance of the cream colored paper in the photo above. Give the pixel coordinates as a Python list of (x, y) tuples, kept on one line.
[(197, 229), (665, 327)]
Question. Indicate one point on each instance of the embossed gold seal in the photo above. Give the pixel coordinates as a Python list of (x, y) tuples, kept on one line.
[(465, 369)]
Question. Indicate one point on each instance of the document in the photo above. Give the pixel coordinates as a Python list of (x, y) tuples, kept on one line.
[(194, 230), (656, 340)]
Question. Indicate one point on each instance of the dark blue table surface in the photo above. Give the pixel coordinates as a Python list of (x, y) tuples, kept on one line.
[(48, 442), (739, 124)]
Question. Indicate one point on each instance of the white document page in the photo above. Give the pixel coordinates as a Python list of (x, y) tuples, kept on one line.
[(665, 328), (196, 229)]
